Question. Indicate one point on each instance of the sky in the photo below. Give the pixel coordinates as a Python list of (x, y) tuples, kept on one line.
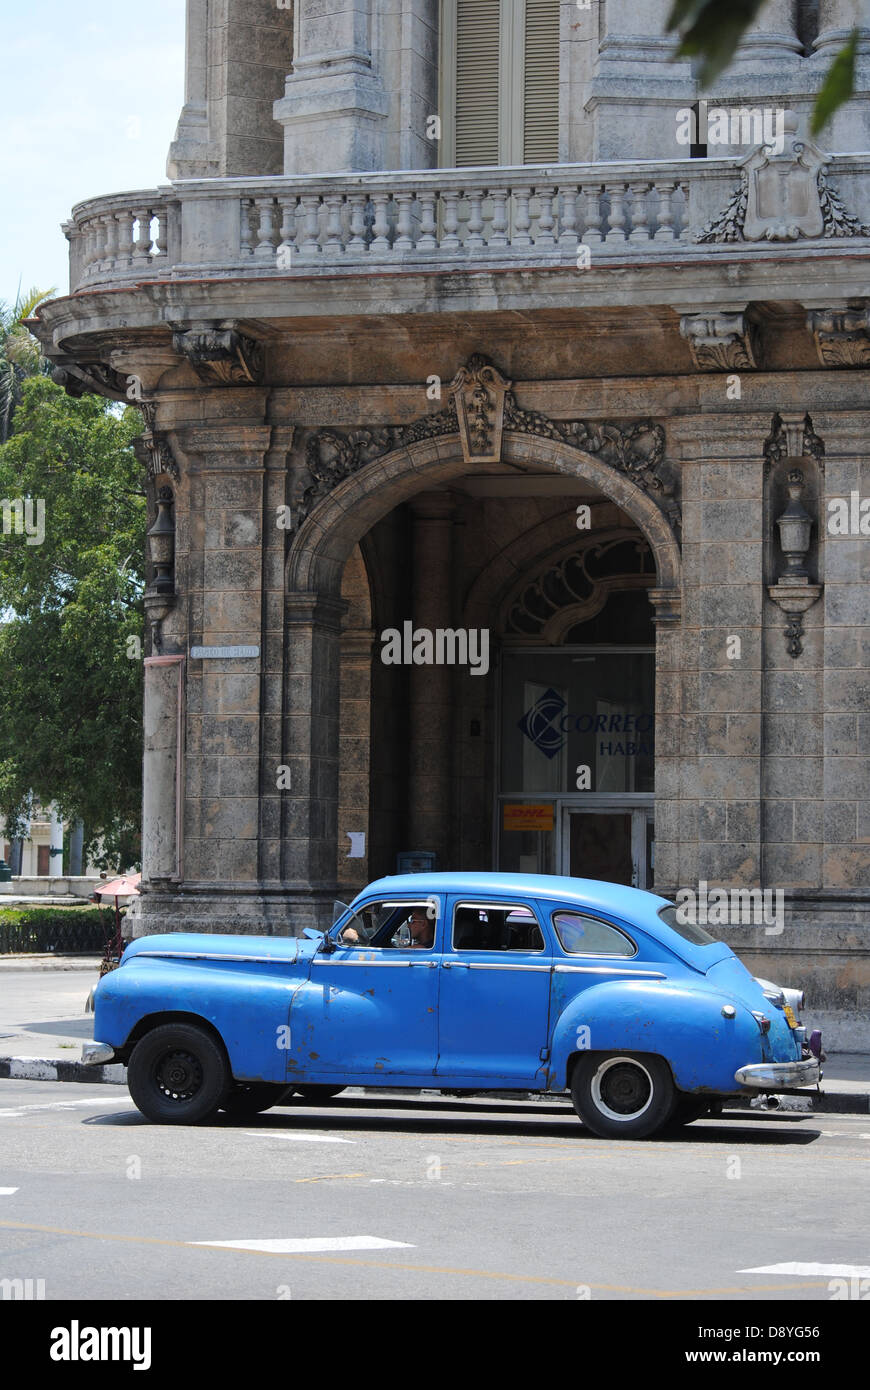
[(91, 96)]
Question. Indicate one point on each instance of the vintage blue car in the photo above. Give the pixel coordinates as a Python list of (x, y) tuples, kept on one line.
[(460, 982)]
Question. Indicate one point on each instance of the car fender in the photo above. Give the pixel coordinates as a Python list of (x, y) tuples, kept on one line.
[(248, 1007), (684, 1025)]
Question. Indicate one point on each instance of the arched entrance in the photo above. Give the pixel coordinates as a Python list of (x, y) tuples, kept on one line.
[(547, 594)]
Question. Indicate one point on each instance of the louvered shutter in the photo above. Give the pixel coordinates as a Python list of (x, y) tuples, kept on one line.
[(541, 84), (477, 82)]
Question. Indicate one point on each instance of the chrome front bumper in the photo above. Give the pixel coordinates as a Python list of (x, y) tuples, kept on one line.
[(96, 1054), (774, 1076)]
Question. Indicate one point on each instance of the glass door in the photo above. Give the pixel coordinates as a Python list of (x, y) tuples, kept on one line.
[(611, 843)]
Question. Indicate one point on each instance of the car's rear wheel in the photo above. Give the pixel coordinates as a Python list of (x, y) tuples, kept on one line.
[(315, 1094), (252, 1099), (178, 1074), (623, 1095)]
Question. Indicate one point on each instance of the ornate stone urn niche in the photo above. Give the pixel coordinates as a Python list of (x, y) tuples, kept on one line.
[(478, 391)]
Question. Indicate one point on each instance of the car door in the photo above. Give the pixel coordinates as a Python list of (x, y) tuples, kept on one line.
[(495, 991), (369, 1008)]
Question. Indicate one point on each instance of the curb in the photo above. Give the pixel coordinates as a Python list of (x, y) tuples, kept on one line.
[(45, 1069), (115, 1074)]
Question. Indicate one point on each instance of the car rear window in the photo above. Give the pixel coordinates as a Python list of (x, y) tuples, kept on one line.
[(582, 935), (689, 931)]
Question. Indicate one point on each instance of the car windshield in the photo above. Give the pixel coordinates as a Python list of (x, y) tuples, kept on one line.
[(338, 910), (673, 917)]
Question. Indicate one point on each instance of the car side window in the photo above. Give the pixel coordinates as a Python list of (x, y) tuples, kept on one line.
[(404, 925), (581, 935), (495, 927)]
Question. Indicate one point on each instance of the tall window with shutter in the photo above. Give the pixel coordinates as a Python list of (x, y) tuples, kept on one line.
[(499, 82)]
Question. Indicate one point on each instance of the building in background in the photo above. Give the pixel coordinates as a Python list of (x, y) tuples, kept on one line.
[(501, 396)]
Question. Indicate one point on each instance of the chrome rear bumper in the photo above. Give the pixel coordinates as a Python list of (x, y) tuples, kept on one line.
[(772, 1076)]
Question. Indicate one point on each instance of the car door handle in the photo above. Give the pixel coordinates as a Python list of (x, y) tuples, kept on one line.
[(423, 964), (454, 965)]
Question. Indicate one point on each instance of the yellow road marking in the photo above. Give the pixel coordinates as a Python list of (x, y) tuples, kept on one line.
[(418, 1269)]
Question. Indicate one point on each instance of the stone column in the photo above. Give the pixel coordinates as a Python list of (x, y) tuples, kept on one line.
[(770, 38), (334, 105), (189, 151), (674, 681), (637, 90), (55, 858), (309, 828), (430, 686), (161, 772), (354, 761), (837, 19)]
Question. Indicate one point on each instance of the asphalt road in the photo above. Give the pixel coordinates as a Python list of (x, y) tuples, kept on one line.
[(472, 1200)]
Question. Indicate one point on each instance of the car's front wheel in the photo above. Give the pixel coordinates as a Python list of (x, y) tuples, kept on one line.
[(178, 1074), (623, 1095)]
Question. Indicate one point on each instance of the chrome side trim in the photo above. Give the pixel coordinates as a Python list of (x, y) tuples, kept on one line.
[(485, 965), (609, 970), (214, 955), (383, 964)]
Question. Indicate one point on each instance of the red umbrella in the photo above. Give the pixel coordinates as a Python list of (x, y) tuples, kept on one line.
[(126, 886)]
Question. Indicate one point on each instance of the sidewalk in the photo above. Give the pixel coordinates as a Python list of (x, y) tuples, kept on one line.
[(43, 1024)]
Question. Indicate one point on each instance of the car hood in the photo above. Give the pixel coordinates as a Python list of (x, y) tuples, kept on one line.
[(269, 950)]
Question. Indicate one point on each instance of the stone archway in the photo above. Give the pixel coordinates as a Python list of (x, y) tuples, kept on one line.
[(350, 504)]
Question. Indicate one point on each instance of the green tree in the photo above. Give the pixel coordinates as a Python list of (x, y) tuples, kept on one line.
[(71, 603), (20, 353), (711, 30)]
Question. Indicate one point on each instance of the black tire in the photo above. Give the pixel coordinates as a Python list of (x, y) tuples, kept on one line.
[(178, 1075), (623, 1095), (253, 1098), (314, 1095)]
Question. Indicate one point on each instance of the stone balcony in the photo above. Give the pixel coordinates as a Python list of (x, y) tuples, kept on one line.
[(498, 219)]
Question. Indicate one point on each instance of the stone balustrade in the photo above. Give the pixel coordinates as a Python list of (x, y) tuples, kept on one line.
[(474, 218)]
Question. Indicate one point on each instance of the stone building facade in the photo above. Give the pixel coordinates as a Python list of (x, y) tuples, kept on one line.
[(449, 343)]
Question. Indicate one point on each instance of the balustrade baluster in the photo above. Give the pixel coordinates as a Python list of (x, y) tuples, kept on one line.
[(499, 226), (333, 245), (592, 232), (162, 240), (568, 217), (545, 240), (357, 241), (380, 241), (142, 252), (404, 226), (473, 236), (426, 238), (522, 219), (286, 246), (616, 216), (665, 218), (639, 213), (450, 202), (311, 230), (683, 187), (266, 243)]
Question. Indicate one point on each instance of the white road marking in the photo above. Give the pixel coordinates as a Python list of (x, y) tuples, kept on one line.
[(7, 1191), (300, 1138), (309, 1245), (14, 1112), (846, 1271)]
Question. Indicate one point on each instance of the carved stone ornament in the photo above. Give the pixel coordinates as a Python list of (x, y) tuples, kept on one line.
[(478, 391), (722, 342), (221, 356), (98, 379), (152, 448), (841, 336), (792, 436), (635, 448), (783, 197)]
